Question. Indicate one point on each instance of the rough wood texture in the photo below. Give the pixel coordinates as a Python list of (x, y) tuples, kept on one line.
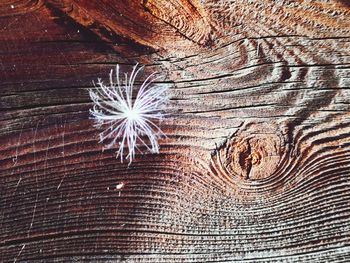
[(256, 166)]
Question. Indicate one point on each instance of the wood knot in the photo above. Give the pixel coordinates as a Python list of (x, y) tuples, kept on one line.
[(253, 153)]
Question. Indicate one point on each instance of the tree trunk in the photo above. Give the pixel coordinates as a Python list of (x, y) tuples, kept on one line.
[(256, 163)]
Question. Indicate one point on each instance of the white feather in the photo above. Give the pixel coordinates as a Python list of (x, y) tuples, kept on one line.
[(129, 120)]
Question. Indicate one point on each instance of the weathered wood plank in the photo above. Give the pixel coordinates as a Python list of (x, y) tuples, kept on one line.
[(255, 166)]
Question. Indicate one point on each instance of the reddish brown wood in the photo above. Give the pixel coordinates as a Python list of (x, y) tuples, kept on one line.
[(256, 163)]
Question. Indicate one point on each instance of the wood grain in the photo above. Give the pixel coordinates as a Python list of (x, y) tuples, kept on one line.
[(256, 163)]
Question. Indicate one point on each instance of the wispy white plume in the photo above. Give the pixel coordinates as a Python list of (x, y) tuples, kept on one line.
[(130, 117)]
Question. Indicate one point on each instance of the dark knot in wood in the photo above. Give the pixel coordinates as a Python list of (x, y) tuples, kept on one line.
[(253, 153), (256, 156)]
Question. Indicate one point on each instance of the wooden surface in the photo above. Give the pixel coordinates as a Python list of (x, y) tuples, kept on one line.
[(256, 166)]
